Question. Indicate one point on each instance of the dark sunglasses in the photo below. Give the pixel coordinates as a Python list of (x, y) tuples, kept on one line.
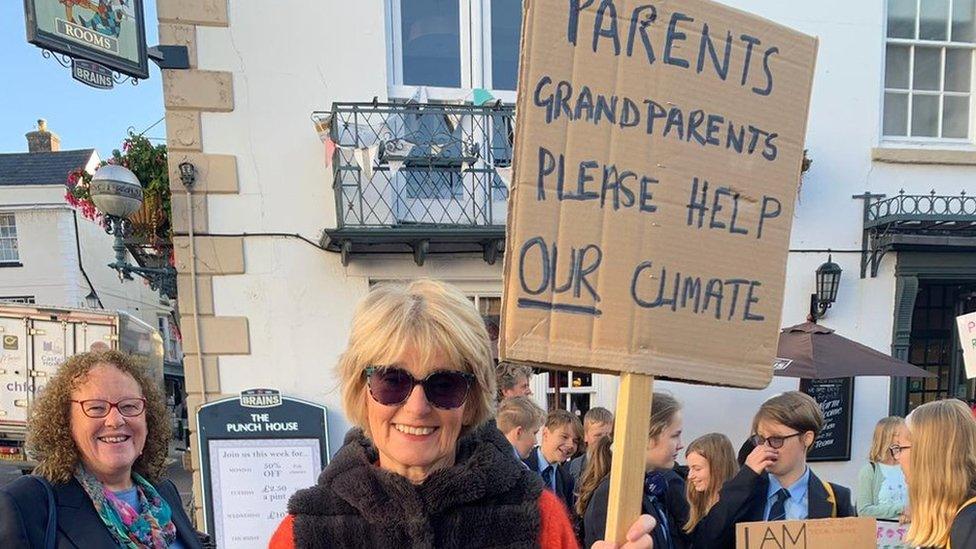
[(444, 389), (773, 442)]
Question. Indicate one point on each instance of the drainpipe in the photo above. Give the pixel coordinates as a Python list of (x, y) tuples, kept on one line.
[(187, 183)]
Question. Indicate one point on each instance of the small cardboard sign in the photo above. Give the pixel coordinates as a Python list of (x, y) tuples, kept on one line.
[(967, 340), (855, 532), (657, 157), (891, 535)]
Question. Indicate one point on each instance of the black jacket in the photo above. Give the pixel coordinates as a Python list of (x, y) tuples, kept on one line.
[(962, 534), (576, 467), (486, 499), (675, 506), (743, 499), (565, 485), (23, 516)]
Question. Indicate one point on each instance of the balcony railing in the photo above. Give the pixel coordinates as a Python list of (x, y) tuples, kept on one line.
[(915, 221), (419, 177)]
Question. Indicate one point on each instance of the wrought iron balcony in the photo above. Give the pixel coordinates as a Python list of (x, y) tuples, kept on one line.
[(909, 221), (419, 178)]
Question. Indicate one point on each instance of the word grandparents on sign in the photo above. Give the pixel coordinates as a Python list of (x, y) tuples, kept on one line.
[(657, 158)]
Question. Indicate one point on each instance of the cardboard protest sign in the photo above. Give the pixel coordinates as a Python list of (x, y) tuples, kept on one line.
[(967, 340), (807, 534), (657, 155)]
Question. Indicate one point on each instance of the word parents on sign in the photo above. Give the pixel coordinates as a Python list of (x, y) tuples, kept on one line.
[(656, 165)]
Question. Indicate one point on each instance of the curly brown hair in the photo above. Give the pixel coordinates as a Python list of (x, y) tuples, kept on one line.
[(49, 439)]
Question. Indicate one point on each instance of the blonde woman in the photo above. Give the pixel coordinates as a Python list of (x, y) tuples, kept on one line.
[(937, 452), (711, 463), (881, 489), (424, 467)]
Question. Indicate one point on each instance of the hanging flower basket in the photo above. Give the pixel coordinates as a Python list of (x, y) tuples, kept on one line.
[(151, 224)]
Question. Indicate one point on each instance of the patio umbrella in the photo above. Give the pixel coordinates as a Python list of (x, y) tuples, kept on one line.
[(811, 351)]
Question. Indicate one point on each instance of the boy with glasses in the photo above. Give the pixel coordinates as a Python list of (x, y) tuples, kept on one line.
[(776, 483)]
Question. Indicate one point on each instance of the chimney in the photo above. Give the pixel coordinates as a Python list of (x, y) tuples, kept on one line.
[(41, 140)]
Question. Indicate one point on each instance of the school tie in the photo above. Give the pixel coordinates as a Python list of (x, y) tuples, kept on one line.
[(547, 476), (778, 510)]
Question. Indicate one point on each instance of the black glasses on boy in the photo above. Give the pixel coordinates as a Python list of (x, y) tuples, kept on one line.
[(773, 442), (444, 389)]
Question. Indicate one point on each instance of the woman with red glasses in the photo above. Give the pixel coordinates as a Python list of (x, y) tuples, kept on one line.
[(424, 467), (100, 433)]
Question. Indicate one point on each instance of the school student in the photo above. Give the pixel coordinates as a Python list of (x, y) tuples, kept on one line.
[(559, 436), (597, 423), (776, 483), (937, 451), (881, 489), (664, 491), (711, 463), (520, 419)]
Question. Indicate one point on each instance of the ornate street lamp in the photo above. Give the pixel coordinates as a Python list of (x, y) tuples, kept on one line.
[(117, 193), (92, 301), (828, 280)]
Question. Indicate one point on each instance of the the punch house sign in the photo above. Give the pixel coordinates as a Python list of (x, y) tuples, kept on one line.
[(257, 450)]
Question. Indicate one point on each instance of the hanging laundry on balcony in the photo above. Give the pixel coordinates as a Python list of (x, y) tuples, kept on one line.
[(366, 158), (419, 96), (395, 152), (480, 96), (505, 174), (456, 120), (323, 127)]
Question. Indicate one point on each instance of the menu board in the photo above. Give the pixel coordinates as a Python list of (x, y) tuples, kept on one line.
[(252, 481), (256, 451), (836, 399)]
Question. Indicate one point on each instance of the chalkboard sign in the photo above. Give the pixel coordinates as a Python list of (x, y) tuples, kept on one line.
[(836, 399), (255, 452)]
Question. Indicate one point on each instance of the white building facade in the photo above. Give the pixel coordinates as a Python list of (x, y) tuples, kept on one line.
[(892, 110), (51, 255)]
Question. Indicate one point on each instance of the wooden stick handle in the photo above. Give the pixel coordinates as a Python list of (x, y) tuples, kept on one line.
[(629, 451)]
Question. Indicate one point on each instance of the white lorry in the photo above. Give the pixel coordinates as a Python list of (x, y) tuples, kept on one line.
[(36, 341)]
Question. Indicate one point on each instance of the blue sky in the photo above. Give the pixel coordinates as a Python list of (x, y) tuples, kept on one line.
[(33, 87)]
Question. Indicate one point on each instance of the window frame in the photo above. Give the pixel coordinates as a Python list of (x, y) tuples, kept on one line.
[(966, 143), (475, 49), (15, 262)]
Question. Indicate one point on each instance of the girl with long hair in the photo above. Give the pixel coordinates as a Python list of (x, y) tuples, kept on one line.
[(937, 452), (664, 491), (711, 463)]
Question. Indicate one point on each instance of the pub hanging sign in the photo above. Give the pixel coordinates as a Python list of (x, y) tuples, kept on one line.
[(110, 33)]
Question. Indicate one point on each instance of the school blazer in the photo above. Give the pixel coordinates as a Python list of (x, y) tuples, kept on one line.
[(23, 516), (743, 499), (674, 504), (565, 485)]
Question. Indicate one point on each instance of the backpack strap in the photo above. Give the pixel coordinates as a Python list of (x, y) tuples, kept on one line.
[(831, 498), (51, 531)]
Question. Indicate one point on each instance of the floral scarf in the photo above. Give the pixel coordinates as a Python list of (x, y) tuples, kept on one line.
[(150, 526)]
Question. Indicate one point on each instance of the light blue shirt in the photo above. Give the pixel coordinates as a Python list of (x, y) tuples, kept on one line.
[(131, 497), (543, 465), (797, 507)]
